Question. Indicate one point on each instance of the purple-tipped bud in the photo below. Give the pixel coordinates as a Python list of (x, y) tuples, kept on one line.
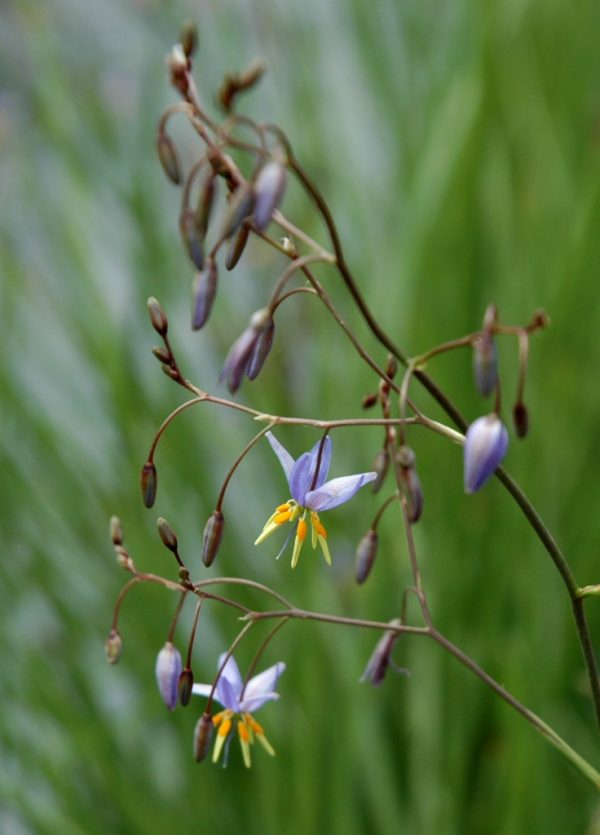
[(269, 189), (240, 207), (260, 352), (184, 686), (191, 237), (204, 292), (485, 363), (365, 555), (158, 317), (206, 201), (203, 733), (116, 531), (379, 661), (213, 533), (168, 670), (149, 483), (237, 246), (486, 443), (241, 352), (521, 419), (167, 154), (380, 465), (189, 38), (167, 534), (162, 355), (113, 647)]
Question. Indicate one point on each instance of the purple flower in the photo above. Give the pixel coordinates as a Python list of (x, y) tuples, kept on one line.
[(241, 701), (311, 493), (486, 443), (168, 670)]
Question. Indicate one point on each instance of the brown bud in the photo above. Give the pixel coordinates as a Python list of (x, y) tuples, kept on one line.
[(169, 159), (240, 207), (123, 557), (116, 531), (148, 483), (213, 532), (191, 238), (521, 419), (392, 366), (365, 555), (206, 200), (167, 534), (369, 400), (237, 245), (485, 363), (189, 38), (380, 659), (204, 291), (113, 647), (540, 319), (202, 736), (252, 74), (158, 317), (162, 355), (184, 685), (178, 65), (380, 465)]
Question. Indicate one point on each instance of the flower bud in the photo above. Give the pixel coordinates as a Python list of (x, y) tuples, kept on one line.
[(168, 670), (123, 558), (178, 66), (365, 555), (203, 736), (260, 351), (189, 38), (213, 532), (392, 366), (149, 483), (167, 154), (205, 205), (369, 400), (252, 74), (379, 661), (162, 355), (485, 363), (237, 245), (158, 317), (269, 189), (204, 292), (116, 531), (191, 237), (380, 465), (240, 207), (521, 419), (414, 492), (167, 534), (184, 686), (486, 443), (113, 647)]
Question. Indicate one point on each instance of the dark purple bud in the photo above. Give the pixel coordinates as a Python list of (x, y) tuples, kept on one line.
[(116, 531), (205, 205), (213, 533), (380, 659), (269, 189), (486, 443), (113, 647), (240, 207), (260, 351), (365, 555), (162, 355), (380, 465), (391, 367), (485, 363), (521, 419), (191, 237), (414, 492), (236, 247), (184, 686), (148, 483), (369, 400), (167, 534), (168, 670), (189, 38), (203, 733), (241, 352), (158, 317), (167, 154), (204, 292)]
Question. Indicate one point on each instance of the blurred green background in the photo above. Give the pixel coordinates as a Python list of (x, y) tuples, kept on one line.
[(458, 144)]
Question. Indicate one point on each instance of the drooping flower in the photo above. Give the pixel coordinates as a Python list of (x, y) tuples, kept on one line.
[(486, 443), (240, 702), (310, 493), (168, 670)]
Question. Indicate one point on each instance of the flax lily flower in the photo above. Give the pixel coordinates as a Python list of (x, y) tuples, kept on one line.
[(240, 702), (310, 494)]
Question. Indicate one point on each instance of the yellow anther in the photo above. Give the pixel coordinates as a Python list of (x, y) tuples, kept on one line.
[(280, 508), (301, 530), (280, 518), (320, 530), (224, 727), (245, 743), (243, 731), (253, 724)]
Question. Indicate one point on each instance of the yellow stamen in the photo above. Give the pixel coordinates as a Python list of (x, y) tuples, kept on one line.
[(301, 532), (224, 724), (325, 549), (265, 744), (298, 541), (224, 727), (280, 518), (280, 508), (253, 724), (244, 743)]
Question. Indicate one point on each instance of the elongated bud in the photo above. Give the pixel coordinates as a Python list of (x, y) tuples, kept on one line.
[(261, 350), (380, 659), (366, 553), (485, 363), (380, 465), (169, 159), (213, 532), (149, 483), (116, 531), (178, 65), (392, 366), (252, 74), (185, 684), (521, 419), (203, 733), (406, 461), (162, 355), (189, 38), (369, 400), (237, 246), (167, 534), (191, 237), (269, 189), (236, 83), (113, 647), (168, 670), (123, 558), (486, 443), (158, 317), (204, 292), (206, 201), (490, 317), (240, 207)]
